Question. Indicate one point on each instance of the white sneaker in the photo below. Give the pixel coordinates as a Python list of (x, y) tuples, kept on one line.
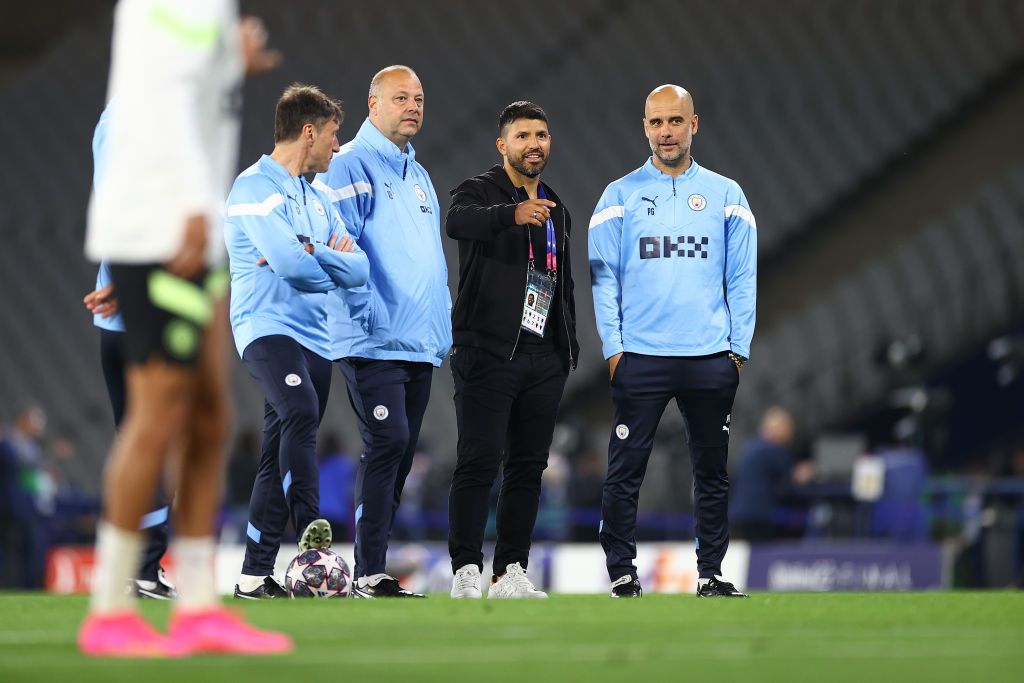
[(466, 583), (515, 585)]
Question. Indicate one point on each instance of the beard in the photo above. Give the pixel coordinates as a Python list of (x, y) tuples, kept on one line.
[(675, 160), (528, 171)]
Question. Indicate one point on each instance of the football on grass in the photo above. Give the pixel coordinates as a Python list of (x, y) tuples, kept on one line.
[(318, 574)]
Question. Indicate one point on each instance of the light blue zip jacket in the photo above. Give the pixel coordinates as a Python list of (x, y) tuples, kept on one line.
[(114, 323), (272, 214), (389, 206), (673, 264)]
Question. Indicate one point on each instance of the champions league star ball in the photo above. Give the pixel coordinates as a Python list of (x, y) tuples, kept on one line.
[(318, 574)]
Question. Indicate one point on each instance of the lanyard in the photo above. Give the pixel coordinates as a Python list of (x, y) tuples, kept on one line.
[(552, 247), (551, 261)]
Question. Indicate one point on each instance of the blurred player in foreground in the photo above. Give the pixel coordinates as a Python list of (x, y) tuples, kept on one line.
[(176, 74), (150, 580)]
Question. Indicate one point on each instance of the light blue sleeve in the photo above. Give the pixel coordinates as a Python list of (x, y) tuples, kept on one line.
[(347, 269), (99, 148), (604, 241), (350, 189), (264, 221), (114, 323), (740, 270)]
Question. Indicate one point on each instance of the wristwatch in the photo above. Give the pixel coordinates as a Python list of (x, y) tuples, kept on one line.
[(737, 359)]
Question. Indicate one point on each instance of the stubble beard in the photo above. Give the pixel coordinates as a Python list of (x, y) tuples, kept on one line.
[(526, 170)]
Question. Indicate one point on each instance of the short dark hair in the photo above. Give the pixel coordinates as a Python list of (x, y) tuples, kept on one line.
[(519, 110), (301, 104)]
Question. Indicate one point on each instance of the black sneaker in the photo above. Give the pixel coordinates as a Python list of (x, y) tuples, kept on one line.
[(380, 586), (269, 590), (627, 587), (717, 588), (161, 589)]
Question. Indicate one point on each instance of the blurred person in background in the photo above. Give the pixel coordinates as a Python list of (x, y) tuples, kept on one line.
[(27, 500), (766, 473), (512, 355), (337, 485), (176, 73), (673, 263), (585, 490), (388, 336), (150, 580), (288, 249)]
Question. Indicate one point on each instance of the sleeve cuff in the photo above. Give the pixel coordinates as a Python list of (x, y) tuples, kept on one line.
[(506, 215), (611, 348)]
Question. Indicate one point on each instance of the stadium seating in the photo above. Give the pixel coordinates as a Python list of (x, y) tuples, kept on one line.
[(802, 106), (954, 284)]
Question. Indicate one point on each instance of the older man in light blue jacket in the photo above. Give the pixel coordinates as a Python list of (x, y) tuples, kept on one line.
[(389, 335)]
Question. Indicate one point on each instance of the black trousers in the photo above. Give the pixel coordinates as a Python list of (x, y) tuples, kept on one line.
[(154, 523), (389, 398), (704, 389), (295, 383), (501, 406)]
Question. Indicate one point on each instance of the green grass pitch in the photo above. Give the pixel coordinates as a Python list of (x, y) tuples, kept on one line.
[(961, 637)]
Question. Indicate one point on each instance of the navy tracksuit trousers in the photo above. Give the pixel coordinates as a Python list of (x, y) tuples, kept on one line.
[(389, 398), (154, 523), (295, 383), (704, 388)]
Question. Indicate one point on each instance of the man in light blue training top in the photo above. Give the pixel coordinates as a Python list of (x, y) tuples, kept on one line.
[(288, 250), (389, 335), (673, 249), (150, 580)]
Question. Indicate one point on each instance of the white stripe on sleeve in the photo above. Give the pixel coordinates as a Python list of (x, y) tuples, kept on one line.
[(346, 192), (258, 209), (607, 214), (742, 213)]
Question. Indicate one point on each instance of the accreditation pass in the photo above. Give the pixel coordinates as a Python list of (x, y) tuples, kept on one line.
[(539, 290)]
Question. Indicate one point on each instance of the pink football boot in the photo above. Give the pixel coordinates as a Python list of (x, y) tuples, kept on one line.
[(124, 634), (219, 631)]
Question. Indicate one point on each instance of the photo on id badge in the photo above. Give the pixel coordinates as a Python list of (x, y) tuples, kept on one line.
[(539, 288)]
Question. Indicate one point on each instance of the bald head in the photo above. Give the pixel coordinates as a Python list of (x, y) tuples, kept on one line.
[(671, 96), (388, 74), (396, 103), (670, 124)]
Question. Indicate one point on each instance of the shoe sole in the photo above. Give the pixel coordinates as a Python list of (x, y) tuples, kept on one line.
[(242, 596), (317, 536), (153, 595), (360, 595)]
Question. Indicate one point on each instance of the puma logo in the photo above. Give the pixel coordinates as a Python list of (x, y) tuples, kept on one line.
[(652, 201)]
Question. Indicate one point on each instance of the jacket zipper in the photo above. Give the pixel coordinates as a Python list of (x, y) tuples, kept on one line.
[(519, 327), (565, 301), (305, 208), (674, 201), (519, 330)]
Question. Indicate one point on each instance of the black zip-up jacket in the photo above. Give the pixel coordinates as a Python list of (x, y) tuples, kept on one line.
[(493, 262)]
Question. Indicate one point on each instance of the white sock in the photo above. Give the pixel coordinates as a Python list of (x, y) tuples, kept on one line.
[(193, 559), (248, 583), (118, 553)]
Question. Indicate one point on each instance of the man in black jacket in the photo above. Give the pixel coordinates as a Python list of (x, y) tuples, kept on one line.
[(514, 332)]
